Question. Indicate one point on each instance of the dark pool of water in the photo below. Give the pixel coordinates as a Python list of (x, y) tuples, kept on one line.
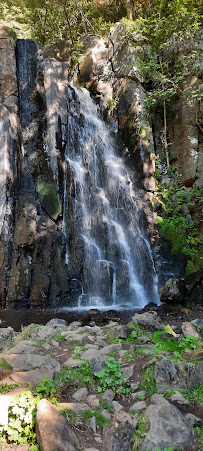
[(19, 318)]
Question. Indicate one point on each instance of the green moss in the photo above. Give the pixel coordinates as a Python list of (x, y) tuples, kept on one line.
[(48, 197)]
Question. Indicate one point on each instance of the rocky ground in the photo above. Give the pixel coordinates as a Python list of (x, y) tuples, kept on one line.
[(116, 387)]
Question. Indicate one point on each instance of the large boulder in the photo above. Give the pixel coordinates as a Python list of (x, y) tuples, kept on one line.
[(171, 375), (167, 428), (52, 429), (149, 320), (119, 436), (172, 291)]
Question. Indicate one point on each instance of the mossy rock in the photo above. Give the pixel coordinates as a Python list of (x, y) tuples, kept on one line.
[(48, 198)]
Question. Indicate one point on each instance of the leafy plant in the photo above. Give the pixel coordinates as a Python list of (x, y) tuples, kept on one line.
[(21, 422), (111, 376), (46, 388), (5, 388)]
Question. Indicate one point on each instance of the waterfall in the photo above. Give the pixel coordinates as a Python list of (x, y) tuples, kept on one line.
[(108, 252)]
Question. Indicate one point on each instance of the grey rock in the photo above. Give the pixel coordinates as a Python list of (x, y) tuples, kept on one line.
[(98, 363), (73, 363), (138, 406), (91, 449), (42, 333), (57, 323), (77, 407), (117, 406), (24, 347), (177, 397), (189, 329), (138, 395), (55, 343), (108, 349), (93, 401), (171, 375), (106, 414), (134, 386), (33, 377), (52, 429), (108, 395), (118, 331), (93, 424), (149, 320), (119, 435), (90, 354), (193, 420), (128, 371), (80, 394), (74, 325), (168, 427), (5, 333), (26, 362), (198, 322), (172, 291)]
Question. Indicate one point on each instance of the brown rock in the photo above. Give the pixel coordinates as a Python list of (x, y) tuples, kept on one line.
[(52, 429)]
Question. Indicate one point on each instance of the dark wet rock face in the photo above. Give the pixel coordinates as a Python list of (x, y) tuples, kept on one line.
[(71, 226)]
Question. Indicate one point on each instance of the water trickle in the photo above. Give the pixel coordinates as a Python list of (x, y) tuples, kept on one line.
[(108, 251)]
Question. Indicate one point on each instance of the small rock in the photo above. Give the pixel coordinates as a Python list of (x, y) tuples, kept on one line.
[(193, 420), (121, 354), (189, 329), (93, 424), (134, 386), (98, 438), (198, 322), (90, 354), (58, 323), (77, 407), (148, 352), (93, 401), (138, 406), (55, 343), (144, 339), (98, 363), (118, 331), (91, 449), (5, 333), (52, 429), (108, 395), (73, 363), (106, 414), (117, 406), (138, 395), (108, 349), (128, 371), (80, 394), (74, 325), (46, 346), (177, 397)]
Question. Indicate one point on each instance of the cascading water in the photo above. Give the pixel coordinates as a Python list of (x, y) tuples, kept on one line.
[(108, 252)]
